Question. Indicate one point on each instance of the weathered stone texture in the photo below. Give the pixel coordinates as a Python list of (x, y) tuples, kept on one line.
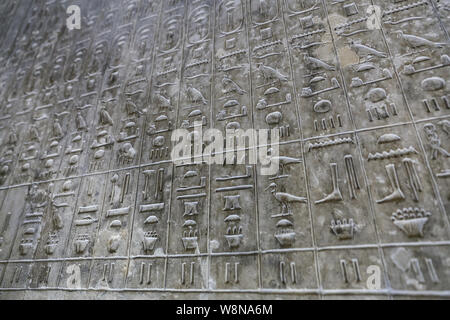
[(92, 205)]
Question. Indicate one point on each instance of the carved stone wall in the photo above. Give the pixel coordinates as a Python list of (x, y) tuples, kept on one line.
[(93, 206)]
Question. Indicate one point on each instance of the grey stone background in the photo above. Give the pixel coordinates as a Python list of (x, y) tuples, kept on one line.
[(93, 208)]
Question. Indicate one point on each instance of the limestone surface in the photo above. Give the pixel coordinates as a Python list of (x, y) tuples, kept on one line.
[(348, 197)]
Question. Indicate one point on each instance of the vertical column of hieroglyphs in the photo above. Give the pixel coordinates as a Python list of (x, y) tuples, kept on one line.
[(360, 49), (419, 50), (288, 259), (188, 232), (339, 192), (233, 229), (148, 246), (151, 204)]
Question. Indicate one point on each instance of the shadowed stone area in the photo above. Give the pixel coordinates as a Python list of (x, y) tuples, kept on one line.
[(93, 207)]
